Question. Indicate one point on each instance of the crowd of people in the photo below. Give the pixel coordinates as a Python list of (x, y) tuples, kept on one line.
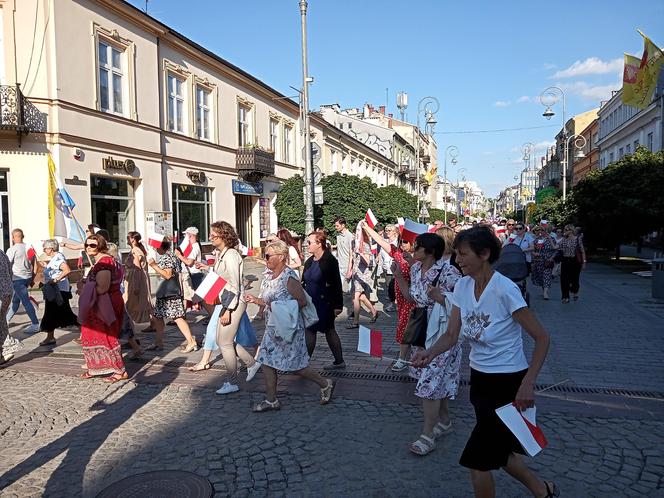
[(441, 284)]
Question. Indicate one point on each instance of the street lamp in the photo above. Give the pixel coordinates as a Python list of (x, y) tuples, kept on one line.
[(548, 99), (308, 164), (579, 143), (453, 152), (463, 177), (430, 106)]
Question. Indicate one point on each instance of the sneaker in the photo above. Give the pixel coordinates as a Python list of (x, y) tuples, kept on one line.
[(227, 388), (390, 307), (33, 328), (399, 366), (252, 371), (335, 366), (6, 358)]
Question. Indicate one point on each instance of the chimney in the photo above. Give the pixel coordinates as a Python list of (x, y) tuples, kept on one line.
[(381, 109)]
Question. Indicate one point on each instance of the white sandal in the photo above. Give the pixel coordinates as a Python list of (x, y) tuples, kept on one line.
[(423, 446), (441, 429)]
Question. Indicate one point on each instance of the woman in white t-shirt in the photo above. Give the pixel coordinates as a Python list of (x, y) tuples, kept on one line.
[(490, 312), (294, 255)]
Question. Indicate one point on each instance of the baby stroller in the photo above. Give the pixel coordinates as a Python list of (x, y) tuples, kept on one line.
[(512, 264)]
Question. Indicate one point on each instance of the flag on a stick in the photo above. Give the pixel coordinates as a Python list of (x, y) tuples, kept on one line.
[(369, 217), (640, 76), (370, 341), (209, 259), (155, 239), (412, 229), (244, 250), (31, 253), (210, 287), (400, 223), (61, 221), (524, 427), (186, 247)]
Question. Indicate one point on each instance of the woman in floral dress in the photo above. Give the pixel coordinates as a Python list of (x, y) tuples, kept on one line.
[(99, 339), (282, 283), (431, 275), (543, 254), (360, 269), (401, 254)]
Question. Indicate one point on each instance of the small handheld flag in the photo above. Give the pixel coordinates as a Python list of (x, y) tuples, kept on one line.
[(374, 248), (412, 229), (186, 247), (155, 240), (371, 220), (209, 259), (31, 253), (244, 250), (523, 426), (370, 341), (210, 287)]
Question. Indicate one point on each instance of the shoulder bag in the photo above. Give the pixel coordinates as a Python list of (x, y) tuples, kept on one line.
[(171, 287), (416, 328)]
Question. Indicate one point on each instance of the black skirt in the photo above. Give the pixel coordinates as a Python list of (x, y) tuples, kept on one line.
[(491, 442), (58, 316)]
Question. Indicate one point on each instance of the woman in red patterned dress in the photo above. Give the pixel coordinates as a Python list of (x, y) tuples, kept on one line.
[(99, 339), (401, 252)]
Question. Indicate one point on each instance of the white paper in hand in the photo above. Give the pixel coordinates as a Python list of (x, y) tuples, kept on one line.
[(523, 425)]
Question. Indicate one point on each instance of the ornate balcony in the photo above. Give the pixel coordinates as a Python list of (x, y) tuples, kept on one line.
[(412, 174), (253, 163), (17, 114), (403, 169)]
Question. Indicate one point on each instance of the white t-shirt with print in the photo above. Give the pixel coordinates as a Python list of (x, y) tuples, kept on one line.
[(495, 337)]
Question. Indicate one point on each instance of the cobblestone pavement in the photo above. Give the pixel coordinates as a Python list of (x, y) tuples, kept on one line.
[(62, 436), (65, 437)]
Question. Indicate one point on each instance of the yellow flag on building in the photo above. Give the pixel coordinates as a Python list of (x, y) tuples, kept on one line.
[(639, 82), (430, 175)]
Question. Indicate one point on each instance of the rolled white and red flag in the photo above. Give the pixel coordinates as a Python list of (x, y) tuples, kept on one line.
[(210, 287), (370, 341), (523, 426), (31, 253), (412, 229), (369, 217), (155, 239), (186, 247)]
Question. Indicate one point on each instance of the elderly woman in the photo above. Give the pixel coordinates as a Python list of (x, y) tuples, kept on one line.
[(281, 350), (100, 328), (322, 282), (574, 259), (226, 317), (490, 311), (57, 292), (169, 303), (359, 272), (400, 252), (543, 260), (432, 275)]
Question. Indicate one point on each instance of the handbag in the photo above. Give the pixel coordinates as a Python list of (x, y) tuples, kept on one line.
[(169, 288), (577, 252), (308, 312), (416, 328)]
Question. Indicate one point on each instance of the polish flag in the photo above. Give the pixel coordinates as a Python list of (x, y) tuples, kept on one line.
[(186, 247), (374, 248), (370, 341), (400, 222), (210, 287), (31, 253), (245, 251), (209, 259), (412, 229), (370, 218), (523, 426), (432, 228), (79, 262), (155, 239)]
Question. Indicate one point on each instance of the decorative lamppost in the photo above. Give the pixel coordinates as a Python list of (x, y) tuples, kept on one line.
[(549, 98), (429, 106), (453, 152)]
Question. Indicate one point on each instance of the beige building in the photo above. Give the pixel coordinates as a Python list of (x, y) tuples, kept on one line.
[(140, 121)]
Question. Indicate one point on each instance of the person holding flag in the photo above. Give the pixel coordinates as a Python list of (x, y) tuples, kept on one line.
[(278, 352), (22, 260), (490, 311), (189, 253), (360, 273)]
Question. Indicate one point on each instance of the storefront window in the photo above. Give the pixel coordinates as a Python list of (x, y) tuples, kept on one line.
[(113, 207), (192, 208)]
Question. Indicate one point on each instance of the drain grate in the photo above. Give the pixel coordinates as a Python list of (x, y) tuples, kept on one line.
[(388, 377)]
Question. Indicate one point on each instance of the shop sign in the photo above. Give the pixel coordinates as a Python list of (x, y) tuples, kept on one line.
[(247, 188), (196, 176), (128, 166)]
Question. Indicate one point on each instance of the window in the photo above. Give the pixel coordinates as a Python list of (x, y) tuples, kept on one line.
[(203, 113), (610, 157), (192, 208), (650, 141), (113, 206), (176, 104), (628, 148), (111, 78), (245, 129), (288, 144), (621, 152), (636, 145), (274, 136), (333, 161)]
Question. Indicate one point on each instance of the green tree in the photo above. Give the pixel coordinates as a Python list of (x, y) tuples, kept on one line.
[(439, 214), (290, 204), (348, 196), (392, 202), (553, 209)]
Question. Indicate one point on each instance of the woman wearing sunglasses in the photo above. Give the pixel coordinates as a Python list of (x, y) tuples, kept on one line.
[(101, 324)]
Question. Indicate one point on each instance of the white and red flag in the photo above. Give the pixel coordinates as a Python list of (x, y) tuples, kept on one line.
[(369, 217), (523, 426), (155, 239), (374, 248), (31, 253), (432, 228), (186, 247), (244, 250), (210, 287), (400, 222), (412, 229), (210, 259), (370, 341)]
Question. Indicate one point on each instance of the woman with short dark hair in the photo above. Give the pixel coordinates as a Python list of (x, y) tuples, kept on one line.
[(489, 310)]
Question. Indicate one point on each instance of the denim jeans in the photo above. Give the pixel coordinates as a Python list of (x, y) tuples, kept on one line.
[(21, 296), (210, 342)]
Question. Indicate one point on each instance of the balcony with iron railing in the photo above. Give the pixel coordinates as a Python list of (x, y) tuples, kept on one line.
[(254, 163), (17, 114)]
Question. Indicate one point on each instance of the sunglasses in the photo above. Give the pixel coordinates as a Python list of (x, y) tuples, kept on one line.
[(510, 224), (268, 256), (520, 228), (93, 245)]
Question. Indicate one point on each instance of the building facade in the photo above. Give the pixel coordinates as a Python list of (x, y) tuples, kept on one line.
[(590, 160), (143, 125)]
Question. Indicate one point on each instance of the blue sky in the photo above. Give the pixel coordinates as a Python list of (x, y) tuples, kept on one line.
[(487, 61)]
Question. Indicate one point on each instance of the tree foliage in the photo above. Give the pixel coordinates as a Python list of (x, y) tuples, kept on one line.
[(553, 209), (290, 204), (622, 202)]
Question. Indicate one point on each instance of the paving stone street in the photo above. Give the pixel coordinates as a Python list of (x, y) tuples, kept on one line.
[(62, 436)]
